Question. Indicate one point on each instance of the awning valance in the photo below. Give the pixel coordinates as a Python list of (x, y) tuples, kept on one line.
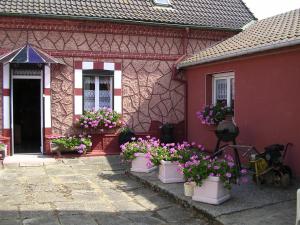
[(28, 54)]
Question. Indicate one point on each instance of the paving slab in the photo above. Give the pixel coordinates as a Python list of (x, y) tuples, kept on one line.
[(85, 191), (257, 200)]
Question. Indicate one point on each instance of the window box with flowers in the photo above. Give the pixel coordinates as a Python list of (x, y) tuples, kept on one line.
[(104, 120), (103, 125), (138, 152)]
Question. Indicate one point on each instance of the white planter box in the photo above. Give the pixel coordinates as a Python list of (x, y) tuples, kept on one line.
[(212, 191), (139, 164), (189, 188), (169, 172)]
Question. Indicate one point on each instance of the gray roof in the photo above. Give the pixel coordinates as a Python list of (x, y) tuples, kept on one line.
[(218, 14), (275, 32)]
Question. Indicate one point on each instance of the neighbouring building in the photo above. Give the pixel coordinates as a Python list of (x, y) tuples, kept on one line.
[(62, 57), (258, 72)]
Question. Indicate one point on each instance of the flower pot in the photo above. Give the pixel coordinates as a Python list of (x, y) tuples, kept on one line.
[(139, 164), (169, 172), (189, 188), (212, 191)]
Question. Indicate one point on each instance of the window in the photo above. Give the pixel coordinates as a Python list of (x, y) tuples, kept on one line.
[(162, 2), (223, 89), (97, 89)]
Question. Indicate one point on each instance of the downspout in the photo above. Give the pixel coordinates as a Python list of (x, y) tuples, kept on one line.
[(174, 76), (175, 69)]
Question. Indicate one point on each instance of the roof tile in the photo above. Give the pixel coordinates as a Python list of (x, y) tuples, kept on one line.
[(269, 32), (225, 14)]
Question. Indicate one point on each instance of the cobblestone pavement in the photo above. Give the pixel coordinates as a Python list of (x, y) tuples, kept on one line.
[(85, 191)]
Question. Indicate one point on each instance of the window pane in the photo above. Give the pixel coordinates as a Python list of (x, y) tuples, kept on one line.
[(221, 90), (162, 2), (232, 92), (89, 92), (105, 92)]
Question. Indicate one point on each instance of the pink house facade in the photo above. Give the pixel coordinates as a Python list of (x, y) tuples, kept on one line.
[(128, 65), (264, 77)]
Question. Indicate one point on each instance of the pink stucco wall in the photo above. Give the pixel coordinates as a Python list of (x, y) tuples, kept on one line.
[(147, 55), (266, 100)]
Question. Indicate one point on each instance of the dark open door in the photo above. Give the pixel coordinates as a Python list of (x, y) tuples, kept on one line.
[(27, 115)]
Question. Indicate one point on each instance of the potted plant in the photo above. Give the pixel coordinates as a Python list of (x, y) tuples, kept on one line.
[(169, 157), (191, 153), (213, 178), (125, 135), (212, 115), (80, 144), (167, 135), (138, 152), (189, 187)]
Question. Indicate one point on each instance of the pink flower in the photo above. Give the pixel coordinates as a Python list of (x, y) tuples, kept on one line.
[(244, 171), (230, 164), (216, 167), (149, 164), (228, 175)]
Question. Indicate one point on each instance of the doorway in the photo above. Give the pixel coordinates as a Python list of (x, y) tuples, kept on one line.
[(27, 115)]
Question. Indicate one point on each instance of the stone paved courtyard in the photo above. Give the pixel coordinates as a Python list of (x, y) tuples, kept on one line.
[(85, 191)]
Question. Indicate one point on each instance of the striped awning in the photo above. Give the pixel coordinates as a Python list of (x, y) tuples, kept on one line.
[(28, 54)]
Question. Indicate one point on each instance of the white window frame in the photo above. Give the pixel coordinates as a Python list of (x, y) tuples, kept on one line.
[(97, 92), (222, 76), (164, 3)]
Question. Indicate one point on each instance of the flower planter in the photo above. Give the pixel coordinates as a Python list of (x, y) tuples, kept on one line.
[(212, 191), (139, 164), (106, 144), (169, 172), (189, 188)]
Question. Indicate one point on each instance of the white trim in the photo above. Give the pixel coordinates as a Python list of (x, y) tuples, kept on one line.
[(227, 74), (43, 116), (222, 76), (109, 66), (78, 108), (112, 92), (6, 78), (78, 78), (47, 77), (6, 112), (47, 115), (97, 94), (118, 104), (118, 79), (87, 65)]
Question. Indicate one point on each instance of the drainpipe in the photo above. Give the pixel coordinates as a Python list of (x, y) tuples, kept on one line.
[(175, 73), (175, 70)]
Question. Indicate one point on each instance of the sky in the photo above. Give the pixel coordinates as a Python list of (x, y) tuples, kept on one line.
[(266, 8)]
